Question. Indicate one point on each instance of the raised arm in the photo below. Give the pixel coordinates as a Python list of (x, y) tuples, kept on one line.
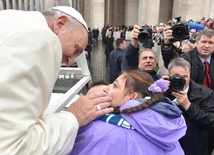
[(130, 55), (169, 51)]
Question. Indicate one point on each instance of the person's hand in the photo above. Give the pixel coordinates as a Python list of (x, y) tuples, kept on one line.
[(182, 99), (87, 108), (166, 78), (134, 35), (167, 34)]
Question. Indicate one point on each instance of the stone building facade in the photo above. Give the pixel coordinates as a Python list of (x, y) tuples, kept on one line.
[(98, 13), (129, 12)]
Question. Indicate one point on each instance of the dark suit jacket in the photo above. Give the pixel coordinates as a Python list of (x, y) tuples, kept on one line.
[(197, 68), (109, 44), (199, 138), (115, 60)]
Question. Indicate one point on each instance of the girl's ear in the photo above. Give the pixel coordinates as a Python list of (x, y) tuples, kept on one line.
[(133, 96)]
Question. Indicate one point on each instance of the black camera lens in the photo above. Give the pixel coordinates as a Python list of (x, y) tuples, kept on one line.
[(143, 36), (177, 86), (177, 83), (179, 32)]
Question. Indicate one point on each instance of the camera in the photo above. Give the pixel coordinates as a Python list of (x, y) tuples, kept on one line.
[(177, 82), (180, 30), (145, 34)]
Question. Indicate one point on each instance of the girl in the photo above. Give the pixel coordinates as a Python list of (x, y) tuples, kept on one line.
[(144, 121)]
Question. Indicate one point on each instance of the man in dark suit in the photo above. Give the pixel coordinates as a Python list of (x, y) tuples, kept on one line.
[(196, 57), (115, 59), (109, 44), (197, 104)]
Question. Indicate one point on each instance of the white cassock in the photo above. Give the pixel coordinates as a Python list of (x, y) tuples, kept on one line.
[(30, 59)]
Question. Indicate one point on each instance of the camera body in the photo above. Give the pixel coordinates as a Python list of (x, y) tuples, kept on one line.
[(180, 31), (177, 83), (145, 34)]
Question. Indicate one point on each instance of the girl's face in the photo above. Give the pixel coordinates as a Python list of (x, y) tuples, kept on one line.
[(118, 92)]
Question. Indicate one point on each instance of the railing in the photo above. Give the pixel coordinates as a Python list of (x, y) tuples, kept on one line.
[(82, 73)]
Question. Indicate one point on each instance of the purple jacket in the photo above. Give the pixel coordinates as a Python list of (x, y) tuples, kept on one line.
[(155, 133)]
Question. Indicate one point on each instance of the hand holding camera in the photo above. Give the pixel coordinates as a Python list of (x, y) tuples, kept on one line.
[(140, 33), (180, 31), (145, 34), (167, 34), (182, 99), (134, 36), (176, 86), (176, 82), (177, 32)]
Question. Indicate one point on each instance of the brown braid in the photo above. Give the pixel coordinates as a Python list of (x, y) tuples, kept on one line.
[(116, 110), (154, 99)]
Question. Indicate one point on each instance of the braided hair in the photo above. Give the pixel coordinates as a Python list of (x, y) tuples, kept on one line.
[(139, 81)]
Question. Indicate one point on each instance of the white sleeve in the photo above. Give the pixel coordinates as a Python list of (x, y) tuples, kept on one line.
[(30, 59), (52, 134)]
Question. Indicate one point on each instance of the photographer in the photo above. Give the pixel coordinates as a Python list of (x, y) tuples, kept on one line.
[(131, 59), (196, 102), (202, 53), (109, 44)]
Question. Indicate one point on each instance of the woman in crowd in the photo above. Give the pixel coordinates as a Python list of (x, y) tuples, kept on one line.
[(144, 121)]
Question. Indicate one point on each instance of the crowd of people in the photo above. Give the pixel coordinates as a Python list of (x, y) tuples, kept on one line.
[(138, 112), (190, 58)]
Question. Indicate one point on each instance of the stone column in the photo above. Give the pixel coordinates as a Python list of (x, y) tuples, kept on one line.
[(87, 12), (207, 4), (212, 16), (71, 2), (111, 12), (8, 5), (78, 5), (131, 12), (45, 5), (192, 9), (2, 5), (142, 12), (74, 4), (165, 11), (107, 12), (153, 9), (119, 12), (81, 6), (115, 12), (97, 14), (180, 9)]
